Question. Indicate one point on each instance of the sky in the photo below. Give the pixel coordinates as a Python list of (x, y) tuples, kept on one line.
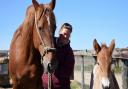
[(101, 19)]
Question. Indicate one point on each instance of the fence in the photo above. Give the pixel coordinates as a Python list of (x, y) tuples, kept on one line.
[(84, 62), (83, 69)]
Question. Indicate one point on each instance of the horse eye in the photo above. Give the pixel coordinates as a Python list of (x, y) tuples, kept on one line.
[(47, 11), (98, 63)]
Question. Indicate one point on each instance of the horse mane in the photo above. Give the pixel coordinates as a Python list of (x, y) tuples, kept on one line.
[(29, 19), (103, 45)]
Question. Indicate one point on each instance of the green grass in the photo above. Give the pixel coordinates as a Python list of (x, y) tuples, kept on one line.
[(77, 85), (117, 69)]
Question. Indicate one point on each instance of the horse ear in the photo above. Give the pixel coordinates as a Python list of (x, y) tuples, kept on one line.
[(52, 4), (112, 46), (35, 3), (96, 46)]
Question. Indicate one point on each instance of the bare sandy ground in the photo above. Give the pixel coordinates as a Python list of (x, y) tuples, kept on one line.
[(87, 76)]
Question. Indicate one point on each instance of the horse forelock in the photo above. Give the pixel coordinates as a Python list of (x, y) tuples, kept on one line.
[(103, 45), (104, 52), (52, 18)]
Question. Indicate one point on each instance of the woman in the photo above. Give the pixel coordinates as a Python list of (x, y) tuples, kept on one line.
[(65, 58)]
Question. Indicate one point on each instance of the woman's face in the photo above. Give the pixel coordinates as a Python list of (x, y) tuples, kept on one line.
[(65, 34)]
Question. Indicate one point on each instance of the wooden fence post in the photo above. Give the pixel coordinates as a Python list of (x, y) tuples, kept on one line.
[(82, 72)]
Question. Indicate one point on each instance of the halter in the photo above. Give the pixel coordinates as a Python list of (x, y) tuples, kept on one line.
[(46, 48)]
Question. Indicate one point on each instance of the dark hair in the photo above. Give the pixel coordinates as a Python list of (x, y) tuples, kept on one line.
[(67, 26)]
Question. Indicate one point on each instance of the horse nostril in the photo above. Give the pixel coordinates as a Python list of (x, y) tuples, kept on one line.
[(40, 28)]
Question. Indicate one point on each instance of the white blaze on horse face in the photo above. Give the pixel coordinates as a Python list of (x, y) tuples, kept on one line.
[(48, 19), (105, 82)]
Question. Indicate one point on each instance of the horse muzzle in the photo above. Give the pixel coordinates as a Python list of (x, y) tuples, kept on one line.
[(49, 67), (105, 83), (105, 87)]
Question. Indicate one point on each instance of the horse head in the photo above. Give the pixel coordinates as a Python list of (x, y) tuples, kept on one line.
[(44, 30), (103, 62)]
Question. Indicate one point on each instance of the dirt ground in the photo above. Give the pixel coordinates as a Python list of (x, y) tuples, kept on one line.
[(87, 76)]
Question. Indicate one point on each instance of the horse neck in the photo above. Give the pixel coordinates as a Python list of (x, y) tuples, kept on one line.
[(28, 45), (24, 36)]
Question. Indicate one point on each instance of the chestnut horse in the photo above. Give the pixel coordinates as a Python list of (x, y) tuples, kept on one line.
[(102, 76), (32, 41)]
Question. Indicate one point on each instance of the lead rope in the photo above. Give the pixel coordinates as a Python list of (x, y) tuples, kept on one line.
[(49, 80), (49, 76)]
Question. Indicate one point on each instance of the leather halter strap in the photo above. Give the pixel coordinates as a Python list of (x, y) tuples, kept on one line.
[(46, 48)]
